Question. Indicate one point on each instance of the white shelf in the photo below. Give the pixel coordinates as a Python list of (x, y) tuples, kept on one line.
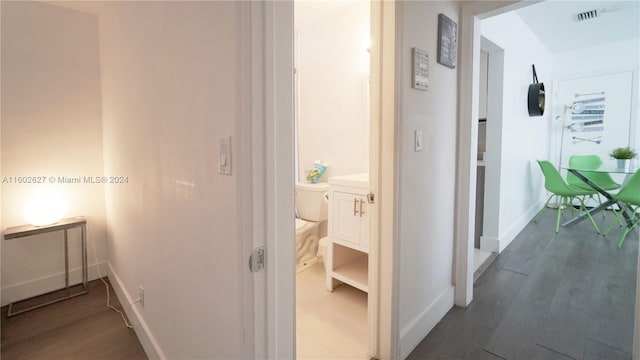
[(354, 273), (351, 245)]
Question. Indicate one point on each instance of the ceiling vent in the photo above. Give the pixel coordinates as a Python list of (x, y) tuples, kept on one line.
[(594, 13), (586, 15)]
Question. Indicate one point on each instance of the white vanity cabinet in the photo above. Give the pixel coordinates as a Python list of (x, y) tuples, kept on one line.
[(348, 229)]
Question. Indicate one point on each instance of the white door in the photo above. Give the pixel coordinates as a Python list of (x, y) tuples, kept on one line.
[(595, 112)]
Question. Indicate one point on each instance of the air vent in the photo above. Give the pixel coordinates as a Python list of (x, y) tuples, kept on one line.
[(586, 15)]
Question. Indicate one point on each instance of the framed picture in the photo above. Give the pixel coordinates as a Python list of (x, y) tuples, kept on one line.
[(420, 79), (447, 41)]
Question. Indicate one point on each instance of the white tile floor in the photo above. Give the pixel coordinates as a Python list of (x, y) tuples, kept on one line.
[(329, 325)]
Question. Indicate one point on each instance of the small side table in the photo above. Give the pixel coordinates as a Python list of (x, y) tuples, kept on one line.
[(65, 224)]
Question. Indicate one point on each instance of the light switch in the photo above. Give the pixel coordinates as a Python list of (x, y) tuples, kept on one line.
[(224, 156), (418, 141)]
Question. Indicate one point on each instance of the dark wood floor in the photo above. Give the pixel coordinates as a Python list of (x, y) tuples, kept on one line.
[(79, 328), (547, 296)]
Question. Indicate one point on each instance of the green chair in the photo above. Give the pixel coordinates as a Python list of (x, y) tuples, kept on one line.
[(630, 196), (565, 193), (590, 162)]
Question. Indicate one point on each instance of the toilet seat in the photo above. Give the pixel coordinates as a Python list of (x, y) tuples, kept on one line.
[(302, 225)]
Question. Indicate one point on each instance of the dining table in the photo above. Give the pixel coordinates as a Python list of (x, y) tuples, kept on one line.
[(606, 167)]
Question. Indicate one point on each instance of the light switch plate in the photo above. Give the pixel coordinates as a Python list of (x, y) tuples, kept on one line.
[(418, 141), (224, 156)]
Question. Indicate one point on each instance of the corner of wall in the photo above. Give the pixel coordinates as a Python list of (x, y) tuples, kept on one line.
[(148, 341), (413, 333), (503, 240)]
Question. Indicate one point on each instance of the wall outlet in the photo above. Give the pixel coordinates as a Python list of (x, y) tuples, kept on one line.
[(141, 295)]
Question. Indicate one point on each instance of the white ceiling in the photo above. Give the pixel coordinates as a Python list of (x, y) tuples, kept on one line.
[(553, 22)]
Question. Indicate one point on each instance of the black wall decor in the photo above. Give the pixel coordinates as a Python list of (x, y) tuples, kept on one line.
[(535, 99)]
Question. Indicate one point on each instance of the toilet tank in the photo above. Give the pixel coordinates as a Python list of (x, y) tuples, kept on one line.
[(311, 201)]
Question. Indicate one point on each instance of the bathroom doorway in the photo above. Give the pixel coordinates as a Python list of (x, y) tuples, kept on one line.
[(332, 148)]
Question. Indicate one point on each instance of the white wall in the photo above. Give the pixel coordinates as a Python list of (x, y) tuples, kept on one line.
[(171, 76), (51, 126), (333, 82), (514, 181), (427, 179), (599, 60)]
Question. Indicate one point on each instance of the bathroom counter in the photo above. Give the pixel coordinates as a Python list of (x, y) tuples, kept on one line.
[(354, 180)]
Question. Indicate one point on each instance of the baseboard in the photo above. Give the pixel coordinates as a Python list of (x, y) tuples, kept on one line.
[(148, 341), (44, 284), (413, 333), (517, 226), (497, 244), (489, 243)]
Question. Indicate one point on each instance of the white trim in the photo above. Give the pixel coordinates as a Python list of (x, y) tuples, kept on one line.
[(498, 244), (382, 306), (415, 332), (276, 170), (468, 90), (493, 159), (489, 243), (44, 284), (147, 340), (253, 311), (373, 271), (468, 94), (507, 236)]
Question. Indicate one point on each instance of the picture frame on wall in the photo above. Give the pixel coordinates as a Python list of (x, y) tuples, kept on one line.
[(447, 41), (420, 80)]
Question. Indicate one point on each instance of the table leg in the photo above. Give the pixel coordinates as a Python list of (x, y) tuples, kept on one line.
[(610, 201), (67, 288), (85, 271), (66, 261)]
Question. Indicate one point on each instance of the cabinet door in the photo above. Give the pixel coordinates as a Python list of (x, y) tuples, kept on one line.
[(346, 217)]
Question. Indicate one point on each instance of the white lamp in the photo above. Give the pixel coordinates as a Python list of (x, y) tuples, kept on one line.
[(45, 209)]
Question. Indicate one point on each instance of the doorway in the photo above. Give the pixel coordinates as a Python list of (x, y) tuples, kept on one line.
[(470, 38), (489, 153), (332, 149)]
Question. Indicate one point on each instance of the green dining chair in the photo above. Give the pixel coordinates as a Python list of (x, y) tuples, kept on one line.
[(564, 192), (629, 195), (590, 162)]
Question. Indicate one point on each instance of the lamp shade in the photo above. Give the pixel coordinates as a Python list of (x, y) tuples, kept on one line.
[(45, 209)]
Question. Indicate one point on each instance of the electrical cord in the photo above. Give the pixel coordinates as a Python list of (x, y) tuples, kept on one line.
[(107, 286)]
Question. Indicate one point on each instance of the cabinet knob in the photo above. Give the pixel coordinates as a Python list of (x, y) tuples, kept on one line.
[(361, 211), (355, 207)]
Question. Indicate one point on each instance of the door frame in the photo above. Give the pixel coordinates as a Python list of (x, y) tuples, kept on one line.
[(489, 239), (383, 173), (468, 94), (266, 157)]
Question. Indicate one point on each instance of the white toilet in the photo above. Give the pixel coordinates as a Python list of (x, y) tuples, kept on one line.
[(312, 206)]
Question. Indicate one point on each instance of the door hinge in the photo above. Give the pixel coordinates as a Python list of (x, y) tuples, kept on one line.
[(371, 197), (256, 260)]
